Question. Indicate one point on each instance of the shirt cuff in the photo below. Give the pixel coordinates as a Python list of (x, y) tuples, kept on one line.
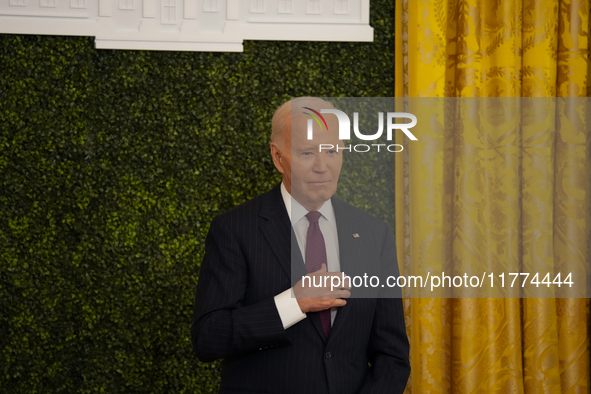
[(288, 308)]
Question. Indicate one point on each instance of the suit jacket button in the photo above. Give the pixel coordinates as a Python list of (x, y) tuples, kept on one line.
[(328, 355)]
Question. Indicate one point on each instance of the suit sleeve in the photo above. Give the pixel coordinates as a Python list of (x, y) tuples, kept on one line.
[(222, 325), (388, 348)]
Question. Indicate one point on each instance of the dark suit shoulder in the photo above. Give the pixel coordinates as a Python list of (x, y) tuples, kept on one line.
[(354, 214), (244, 209), (248, 211)]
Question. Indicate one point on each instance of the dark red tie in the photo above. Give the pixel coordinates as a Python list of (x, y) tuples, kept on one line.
[(315, 257)]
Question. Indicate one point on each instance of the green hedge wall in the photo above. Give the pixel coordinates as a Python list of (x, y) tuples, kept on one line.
[(112, 165)]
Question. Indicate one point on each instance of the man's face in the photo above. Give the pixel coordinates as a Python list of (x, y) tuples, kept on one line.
[(310, 175)]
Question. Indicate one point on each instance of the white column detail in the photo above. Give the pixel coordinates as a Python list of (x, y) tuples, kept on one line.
[(149, 8), (190, 9), (77, 3), (168, 12), (285, 7), (105, 7), (365, 11), (233, 10)]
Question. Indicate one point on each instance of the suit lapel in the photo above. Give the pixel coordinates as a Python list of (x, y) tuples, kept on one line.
[(348, 255), (279, 234)]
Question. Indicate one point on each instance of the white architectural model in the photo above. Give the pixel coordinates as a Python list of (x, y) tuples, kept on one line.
[(189, 25)]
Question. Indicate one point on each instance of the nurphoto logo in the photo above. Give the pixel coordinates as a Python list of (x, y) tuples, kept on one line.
[(345, 129)]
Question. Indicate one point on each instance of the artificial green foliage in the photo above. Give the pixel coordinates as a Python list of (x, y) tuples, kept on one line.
[(112, 165)]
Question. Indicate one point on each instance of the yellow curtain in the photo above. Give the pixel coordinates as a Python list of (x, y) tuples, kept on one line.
[(495, 48)]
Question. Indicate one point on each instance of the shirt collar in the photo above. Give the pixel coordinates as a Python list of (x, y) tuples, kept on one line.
[(296, 211)]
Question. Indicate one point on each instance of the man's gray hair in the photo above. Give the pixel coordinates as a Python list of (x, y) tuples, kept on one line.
[(281, 122)]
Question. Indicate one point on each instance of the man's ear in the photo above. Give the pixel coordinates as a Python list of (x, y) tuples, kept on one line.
[(276, 154)]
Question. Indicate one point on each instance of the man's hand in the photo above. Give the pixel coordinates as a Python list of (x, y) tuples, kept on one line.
[(315, 299)]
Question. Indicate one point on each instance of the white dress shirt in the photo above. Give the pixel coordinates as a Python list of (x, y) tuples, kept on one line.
[(287, 305)]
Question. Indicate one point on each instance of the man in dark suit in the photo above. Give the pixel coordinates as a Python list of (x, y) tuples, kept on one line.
[(275, 333)]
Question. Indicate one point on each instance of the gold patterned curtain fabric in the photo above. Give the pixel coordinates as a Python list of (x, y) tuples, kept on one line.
[(523, 197)]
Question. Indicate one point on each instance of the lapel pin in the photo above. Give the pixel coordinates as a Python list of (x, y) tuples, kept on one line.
[(355, 235)]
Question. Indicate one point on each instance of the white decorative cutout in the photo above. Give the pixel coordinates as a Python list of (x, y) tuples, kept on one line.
[(210, 6), (313, 7), (77, 3), (190, 9), (126, 5), (233, 10), (168, 15), (149, 8), (105, 7), (341, 7), (189, 25), (257, 6), (285, 7), (48, 3)]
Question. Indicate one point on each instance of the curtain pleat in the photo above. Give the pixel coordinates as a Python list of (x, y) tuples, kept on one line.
[(520, 199)]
